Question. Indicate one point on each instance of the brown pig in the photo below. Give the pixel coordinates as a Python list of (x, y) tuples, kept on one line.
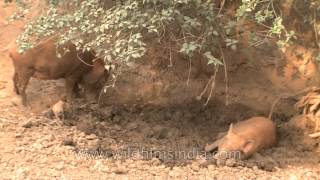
[(247, 137), (76, 67)]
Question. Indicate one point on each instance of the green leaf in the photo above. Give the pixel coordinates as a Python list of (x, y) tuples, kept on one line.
[(212, 59)]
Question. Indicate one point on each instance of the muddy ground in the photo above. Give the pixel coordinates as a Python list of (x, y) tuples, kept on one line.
[(151, 113)]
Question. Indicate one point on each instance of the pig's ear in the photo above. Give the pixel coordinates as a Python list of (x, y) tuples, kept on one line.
[(230, 131), (248, 145)]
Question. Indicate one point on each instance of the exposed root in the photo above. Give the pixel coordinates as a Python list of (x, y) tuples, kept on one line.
[(83, 61), (170, 58), (226, 78), (106, 87), (189, 73), (213, 84), (221, 6), (214, 145), (315, 135), (205, 89)]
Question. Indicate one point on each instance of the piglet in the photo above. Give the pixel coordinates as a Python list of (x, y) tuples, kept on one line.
[(58, 109), (247, 137)]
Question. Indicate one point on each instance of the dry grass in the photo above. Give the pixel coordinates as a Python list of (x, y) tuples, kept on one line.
[(310, 106)]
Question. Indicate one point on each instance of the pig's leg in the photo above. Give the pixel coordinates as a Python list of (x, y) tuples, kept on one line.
[(214, 145), (71, 83), (76, 90), (69, 90), (15, 83), (22, 82)]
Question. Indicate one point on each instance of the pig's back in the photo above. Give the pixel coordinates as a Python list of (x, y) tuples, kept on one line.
[(262, 130)]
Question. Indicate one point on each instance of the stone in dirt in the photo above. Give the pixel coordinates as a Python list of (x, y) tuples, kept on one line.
[(160, 132), (91, 137), (28, 124), (86, 126), (120, 170), (68, 142), (132, 125)]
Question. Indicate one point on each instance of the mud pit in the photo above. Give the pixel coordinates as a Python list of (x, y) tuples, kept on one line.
[(151, 110)]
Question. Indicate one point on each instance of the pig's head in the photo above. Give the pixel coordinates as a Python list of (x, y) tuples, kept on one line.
[(233, 145), (95, 79)]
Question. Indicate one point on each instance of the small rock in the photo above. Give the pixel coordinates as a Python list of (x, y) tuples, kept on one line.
[(147, 131), (17, 101), (230, 162), (137, 156), (195, 167), (18, 135), (49, 138), (117, 127), (82, 134), (120, 170), (68, 142), (255, 168), (167, 115), (86, 127), (221, 162), (60, 167), (207, 162), (18, 150), (21, 173), (171, 174), (67, 123), (155, 161), (28, 124), (2, 95), (211, 167), (132, 126), (91, 137), (117, 119), (178, 115), (105, 169), (94, 144), (293, 177), (160, 132), (104, 113)]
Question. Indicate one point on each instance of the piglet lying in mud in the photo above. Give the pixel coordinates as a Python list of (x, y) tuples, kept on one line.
[(246, 137)]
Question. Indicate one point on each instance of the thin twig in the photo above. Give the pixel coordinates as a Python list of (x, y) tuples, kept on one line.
[(83, 61), (314, 135), (107, 87), (225, 78), (168, 47), (189, 73), (221, 6), (315, 25), (213, 84), (170, 56), (205, 89)]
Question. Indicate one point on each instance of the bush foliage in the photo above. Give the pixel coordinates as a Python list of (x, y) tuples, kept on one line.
[(121, 31)]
